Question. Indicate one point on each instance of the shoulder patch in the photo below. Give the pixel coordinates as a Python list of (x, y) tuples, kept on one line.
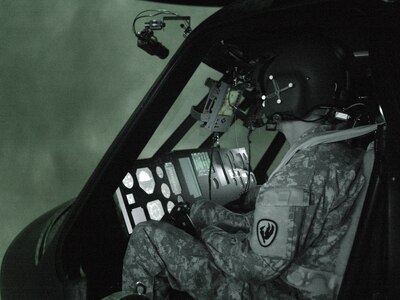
[(266, 232)]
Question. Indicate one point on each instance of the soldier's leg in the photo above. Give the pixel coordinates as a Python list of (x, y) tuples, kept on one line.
[(142, 262), (158, 253)]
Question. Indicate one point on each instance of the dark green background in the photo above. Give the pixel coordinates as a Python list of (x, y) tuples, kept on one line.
[(70, 76)]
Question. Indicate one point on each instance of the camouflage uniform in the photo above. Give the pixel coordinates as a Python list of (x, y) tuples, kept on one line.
[(301, 214)]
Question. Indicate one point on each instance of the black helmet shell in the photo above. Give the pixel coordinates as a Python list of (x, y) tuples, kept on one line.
[(303, 75)]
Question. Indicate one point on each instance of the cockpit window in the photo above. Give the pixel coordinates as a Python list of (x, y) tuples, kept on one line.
[(194, 91)]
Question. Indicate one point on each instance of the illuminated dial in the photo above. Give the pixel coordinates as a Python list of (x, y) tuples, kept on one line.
[(130, 198), (128, 181), (165, 191), (146, 180), (155, 209), (159, 172)]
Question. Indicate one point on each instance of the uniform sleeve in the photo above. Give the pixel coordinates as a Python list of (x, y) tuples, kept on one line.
[(277, 217), (233, 255), (266, 251), (207, 213)]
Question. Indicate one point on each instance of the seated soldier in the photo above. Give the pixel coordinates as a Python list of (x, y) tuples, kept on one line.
[(301, 213)]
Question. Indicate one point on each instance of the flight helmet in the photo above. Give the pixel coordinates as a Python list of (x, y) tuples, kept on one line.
[(302, 75)]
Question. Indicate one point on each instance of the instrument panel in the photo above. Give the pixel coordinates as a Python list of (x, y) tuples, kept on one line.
[(152, 187)]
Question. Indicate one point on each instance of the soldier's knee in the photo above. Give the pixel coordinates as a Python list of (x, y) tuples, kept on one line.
[(153, 231), (143, 229), (141, 237)]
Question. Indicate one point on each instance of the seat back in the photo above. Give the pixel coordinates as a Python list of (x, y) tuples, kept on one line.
[(347, 242)]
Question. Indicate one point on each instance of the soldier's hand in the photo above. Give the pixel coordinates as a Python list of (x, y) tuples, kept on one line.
[(180, 217)]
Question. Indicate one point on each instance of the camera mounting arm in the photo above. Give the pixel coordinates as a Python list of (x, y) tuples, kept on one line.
[(146, 38)]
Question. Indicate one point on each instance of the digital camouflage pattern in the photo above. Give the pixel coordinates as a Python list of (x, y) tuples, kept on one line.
[(164, 256), (310, 199)]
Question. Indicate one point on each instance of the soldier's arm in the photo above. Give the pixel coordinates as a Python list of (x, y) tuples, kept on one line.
[(207, 213), (265, 252), (276, 221)]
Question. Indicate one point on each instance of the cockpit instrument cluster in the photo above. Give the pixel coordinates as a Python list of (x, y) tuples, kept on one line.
[(152, 187)]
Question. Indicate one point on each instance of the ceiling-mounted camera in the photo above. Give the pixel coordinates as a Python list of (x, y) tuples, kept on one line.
[(146, 38)]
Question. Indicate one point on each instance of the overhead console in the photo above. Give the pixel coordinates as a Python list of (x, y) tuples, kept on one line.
[(152, 187)]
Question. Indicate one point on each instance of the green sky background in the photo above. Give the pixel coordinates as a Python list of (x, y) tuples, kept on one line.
[(70, 76)]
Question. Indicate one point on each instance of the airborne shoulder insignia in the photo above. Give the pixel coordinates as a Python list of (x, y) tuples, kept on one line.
[(266, 232)]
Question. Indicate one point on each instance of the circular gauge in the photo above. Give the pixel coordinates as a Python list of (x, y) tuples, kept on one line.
[(170, 206), (155, 210), (145, 179), (165, 191), (128, 181), (160, 172)]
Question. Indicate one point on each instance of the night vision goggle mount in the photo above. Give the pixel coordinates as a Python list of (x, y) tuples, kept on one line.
[(233, 97)]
